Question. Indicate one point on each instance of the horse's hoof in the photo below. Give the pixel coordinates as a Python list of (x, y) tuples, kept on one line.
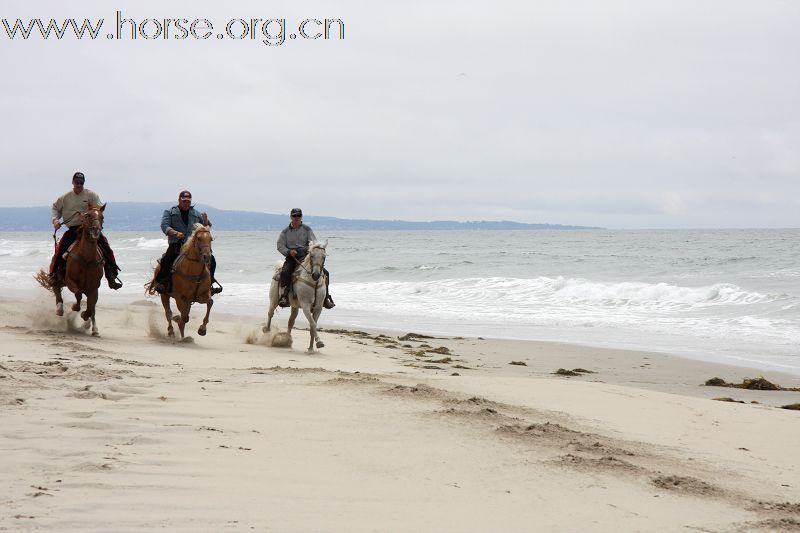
[(320, 344), (201, 332), (85, 316), (95, 334), (171, 334), (264, 329), (76, 307), (59, 311)]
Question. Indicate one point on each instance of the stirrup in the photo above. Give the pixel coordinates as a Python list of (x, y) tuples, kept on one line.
[(328, 303), (217, 289)]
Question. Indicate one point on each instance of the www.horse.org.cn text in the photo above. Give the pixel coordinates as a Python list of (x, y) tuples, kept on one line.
[(269, 31)]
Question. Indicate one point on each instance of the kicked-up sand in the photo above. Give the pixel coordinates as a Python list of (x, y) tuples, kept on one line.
[(378, 431)]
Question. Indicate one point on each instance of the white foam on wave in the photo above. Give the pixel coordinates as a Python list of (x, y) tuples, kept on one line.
[(143, 243), (24, 248)]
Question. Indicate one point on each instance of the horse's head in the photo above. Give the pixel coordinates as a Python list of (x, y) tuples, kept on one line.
[(200, 243), (92, 221), (316, 255)]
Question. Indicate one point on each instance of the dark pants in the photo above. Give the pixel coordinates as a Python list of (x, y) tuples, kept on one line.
[(71, 235), (288, 269), (168, 259)]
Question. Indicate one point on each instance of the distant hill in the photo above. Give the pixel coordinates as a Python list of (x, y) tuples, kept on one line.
[(140, 216)]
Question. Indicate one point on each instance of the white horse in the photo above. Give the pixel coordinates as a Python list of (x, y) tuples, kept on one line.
[(308, 292)]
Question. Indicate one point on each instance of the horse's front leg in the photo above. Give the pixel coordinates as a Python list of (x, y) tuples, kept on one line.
[(59, 301), (317, 312), (202, 329), (77, 305), (88, 314), (183, 318), (168, 313), (312, 328)]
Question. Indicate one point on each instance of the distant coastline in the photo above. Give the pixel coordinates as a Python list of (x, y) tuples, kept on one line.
[(145, 216)]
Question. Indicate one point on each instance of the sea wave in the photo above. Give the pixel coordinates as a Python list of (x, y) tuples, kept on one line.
[(142, 243), (567, 291)]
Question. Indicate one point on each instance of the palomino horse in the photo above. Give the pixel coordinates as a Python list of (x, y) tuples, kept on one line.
[(84, 267), (191, 280), (308, 294)]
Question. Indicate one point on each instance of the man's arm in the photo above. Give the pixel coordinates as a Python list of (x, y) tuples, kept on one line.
[(311, 236), (165, 220), (55, 212), (282, 248)]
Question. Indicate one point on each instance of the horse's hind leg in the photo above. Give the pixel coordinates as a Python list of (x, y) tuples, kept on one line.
[(59, 301), (168, 314), (202, 329), (292, 316)]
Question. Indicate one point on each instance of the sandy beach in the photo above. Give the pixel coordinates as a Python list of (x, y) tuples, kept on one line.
[(133, 431)]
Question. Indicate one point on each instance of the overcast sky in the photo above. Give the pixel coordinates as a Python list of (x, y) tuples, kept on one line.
[(616, 113)]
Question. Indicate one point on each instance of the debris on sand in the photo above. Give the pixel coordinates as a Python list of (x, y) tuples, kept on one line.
[(573, 372), (518, 363), (443, 360), (758, 383), (792, 406), (727, 399), (440, 350), (414, 336)]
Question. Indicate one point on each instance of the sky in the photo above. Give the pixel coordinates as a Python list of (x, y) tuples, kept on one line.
[(613, 113)]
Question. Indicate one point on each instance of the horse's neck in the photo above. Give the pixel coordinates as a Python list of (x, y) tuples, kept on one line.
[(85, 245), (194, 264)]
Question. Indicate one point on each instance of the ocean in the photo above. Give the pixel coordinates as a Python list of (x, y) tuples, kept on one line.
[(729, 296)]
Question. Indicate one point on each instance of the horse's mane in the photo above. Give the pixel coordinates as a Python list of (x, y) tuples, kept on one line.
[(198, 227), (311, 246)]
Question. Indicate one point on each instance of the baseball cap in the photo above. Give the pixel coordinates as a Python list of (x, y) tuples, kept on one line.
[(296, 211)]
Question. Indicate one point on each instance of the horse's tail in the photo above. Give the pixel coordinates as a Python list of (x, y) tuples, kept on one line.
[(43, 278)]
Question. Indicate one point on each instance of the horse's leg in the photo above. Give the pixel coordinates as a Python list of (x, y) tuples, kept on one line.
[(77, 305), (312, 327), (168, 313), (202, 329), (292, 316), (183, 316), (91, 300), (317, 312), (91, 303), (273, 303), (59, 301)]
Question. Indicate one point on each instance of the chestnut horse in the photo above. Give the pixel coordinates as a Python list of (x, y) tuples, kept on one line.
[(191, 280), (84, 267)]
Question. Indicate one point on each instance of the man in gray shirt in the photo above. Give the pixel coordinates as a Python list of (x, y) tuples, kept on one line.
[(68, 208), (293, 245)]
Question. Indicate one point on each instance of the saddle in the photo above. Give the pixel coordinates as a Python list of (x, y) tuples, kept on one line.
[(79, 258), (174, 270)]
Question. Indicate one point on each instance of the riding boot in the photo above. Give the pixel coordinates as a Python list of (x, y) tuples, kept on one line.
[(328, 303), (111, 277), (284, 299)]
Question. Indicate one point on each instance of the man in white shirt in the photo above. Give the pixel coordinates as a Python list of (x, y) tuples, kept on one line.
[(68, 207)]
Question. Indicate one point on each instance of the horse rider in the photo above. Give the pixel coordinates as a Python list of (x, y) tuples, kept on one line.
[(293, 245), (177, 224), (68, 208)]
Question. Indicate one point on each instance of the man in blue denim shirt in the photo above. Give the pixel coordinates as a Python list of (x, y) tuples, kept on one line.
[(177, 224)]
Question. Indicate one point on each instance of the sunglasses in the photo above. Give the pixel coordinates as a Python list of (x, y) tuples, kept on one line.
[(186, 198), (297, 216)]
